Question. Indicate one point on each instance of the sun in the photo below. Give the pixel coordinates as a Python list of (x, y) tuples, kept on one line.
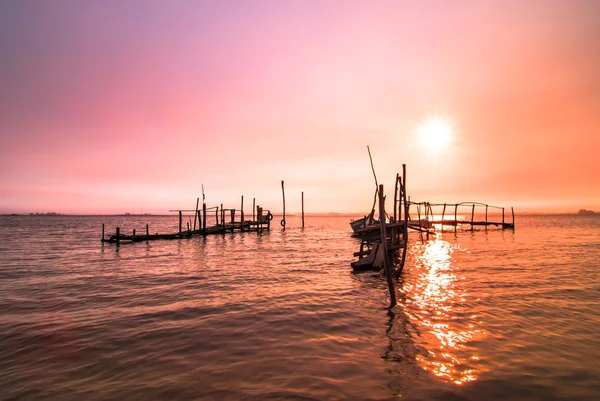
[(435, 134)]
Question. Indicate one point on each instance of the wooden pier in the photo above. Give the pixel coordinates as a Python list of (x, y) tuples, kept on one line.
[(438, 215), (225, 221)]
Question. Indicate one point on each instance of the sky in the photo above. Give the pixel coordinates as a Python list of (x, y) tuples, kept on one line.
[(121, 106)]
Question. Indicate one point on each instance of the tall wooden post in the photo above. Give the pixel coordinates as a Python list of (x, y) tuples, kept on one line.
[(405, 232), (196, 212), (102, 232), (283, 193), (512, 209), (302, 209), (147, 232), (396, 198), (259, 216), (199, 220), (502, 217), (384, 248), (118, 236), (180, 221), (253, 209), (204, 216), (455, 217), (472, 216), (242, 214)]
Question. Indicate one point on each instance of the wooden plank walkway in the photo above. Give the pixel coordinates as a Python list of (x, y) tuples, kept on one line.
[(261, 221)]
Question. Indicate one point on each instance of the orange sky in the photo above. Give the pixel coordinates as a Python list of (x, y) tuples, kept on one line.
[(130, 106)]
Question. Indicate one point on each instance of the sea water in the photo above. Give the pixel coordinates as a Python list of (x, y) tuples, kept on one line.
[(483, 315)]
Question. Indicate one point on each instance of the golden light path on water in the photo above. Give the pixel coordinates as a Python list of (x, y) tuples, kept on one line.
[(436, 303)]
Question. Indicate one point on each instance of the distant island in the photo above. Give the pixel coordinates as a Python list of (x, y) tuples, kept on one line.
[(585, 211)]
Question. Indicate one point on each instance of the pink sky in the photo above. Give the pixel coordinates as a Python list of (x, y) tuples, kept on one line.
[(130, 106)]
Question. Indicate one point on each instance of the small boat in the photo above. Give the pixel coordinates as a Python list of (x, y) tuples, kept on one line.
[(363, 222)]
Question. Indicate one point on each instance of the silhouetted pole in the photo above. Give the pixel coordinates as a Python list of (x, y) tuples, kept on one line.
[(283, 194), (512, 209), (196, 212), (242, 214), (472, 216), (455, 217), (204, 216), (180, 221), (253, 209), (303, 209), (147, 232), (396, 197), (386, 264), (102, 232), (502, 217), (118, 235)]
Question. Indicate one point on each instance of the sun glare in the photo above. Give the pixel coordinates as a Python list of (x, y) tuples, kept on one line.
[(435, 134)]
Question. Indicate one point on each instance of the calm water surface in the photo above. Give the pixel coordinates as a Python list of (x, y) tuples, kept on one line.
[(486, 315)]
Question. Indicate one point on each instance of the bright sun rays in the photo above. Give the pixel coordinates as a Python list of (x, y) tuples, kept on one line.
[(435, 134)]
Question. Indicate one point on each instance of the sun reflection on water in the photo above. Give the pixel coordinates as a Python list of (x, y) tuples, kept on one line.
[(436, 303)]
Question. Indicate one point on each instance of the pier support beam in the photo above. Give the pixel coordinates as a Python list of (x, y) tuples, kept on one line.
[(386, 262)]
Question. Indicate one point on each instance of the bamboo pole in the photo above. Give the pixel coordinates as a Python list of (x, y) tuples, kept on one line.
[(386, 265), (303, 209), (283, 194)]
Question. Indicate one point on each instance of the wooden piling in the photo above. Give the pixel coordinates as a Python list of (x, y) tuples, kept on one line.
[(406, 217), (502, 217), (196, 212), (133, 232), (455, 217), (203, 217), (302, 209), (253, 209), (512, 209), (180, 221), (283, 194), (386, 264), (102, 232), (147, 232), (242, 214), (396, 198), (118, 236), (472, 217)]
